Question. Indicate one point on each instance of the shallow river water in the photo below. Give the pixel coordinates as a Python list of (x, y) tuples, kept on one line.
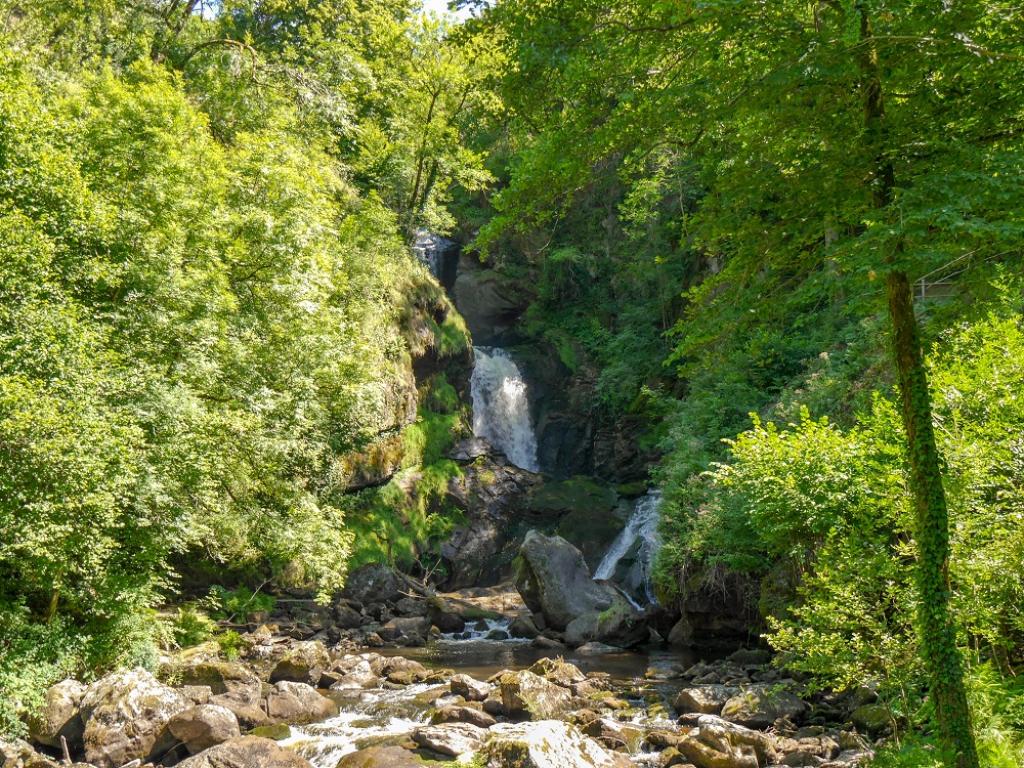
[(380, 716)]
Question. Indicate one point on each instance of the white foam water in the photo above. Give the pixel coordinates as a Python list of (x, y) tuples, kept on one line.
[(501, 408), (367, 717), (642, 526)]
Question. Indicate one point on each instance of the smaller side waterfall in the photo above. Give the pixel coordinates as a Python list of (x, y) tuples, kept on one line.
[(501, 410), (639, 538)]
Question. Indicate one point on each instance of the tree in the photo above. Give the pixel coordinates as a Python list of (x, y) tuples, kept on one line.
[(804, 169)]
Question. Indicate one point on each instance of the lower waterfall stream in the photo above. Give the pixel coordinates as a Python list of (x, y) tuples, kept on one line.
[(641, 533)]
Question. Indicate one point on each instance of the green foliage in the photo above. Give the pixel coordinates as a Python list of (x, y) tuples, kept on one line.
[(33, 656), (191, 626), (204, 287), (831, 505), (230, 644), (403, 521), (239, 603), (996, 706)]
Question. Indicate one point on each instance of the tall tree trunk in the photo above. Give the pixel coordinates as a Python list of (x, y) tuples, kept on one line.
[(935, 625)]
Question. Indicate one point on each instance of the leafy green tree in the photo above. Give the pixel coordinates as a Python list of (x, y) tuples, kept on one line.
[(836, 138)]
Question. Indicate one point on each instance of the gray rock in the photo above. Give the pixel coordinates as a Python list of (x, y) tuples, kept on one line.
[(297, 703), (523, 626), (60, 716), (454, 713), (204, 726), (412, 629), (126, 715), (197, 694), (302, 663), (704, 699), (529, 696), (374, 584), (452, 739), (381, 757), (469, 688), (558, 671), (761, 706), (19, 754), (717, 743), (398, 669), (359, 676), (546, 744), (220, 676), (554, 581), (347, 617), (246, 752), (410, 606)]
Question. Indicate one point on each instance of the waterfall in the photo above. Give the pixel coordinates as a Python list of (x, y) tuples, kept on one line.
[(640, 536), (501, 410), (431, 249)]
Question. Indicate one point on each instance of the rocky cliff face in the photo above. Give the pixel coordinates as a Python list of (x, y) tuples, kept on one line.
[(573, 436)]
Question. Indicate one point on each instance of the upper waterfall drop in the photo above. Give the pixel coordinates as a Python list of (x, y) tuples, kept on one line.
[(640, 536), (438, 254), (501, 409)]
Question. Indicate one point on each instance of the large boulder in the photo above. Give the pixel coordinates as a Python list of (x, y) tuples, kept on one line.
[(407, 630), (760, 706), (220, 676), (381, 757), (233, 685), (621, 626), (126, 715), (558, 671), (469, 688), (303, 663), (246, 752), (555, 582), (490, 493), (546, 744), (703, 699), (60, 716), (19, 754), (297, 703), (361, 675), (717, 743), (204, 726), (529, 696), (374, 584), (451, 739)]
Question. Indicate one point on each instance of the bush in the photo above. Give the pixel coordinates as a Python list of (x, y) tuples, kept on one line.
[(831, 505), (191, 626), (239, 603)]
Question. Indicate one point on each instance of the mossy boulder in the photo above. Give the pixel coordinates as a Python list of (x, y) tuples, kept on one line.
[(761, 706), (578, 494), (531, 697), (546, 744), (246, 751), (126, 715)]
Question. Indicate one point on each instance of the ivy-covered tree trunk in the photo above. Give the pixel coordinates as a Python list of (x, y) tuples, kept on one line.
[(938, 636), (935, 626)]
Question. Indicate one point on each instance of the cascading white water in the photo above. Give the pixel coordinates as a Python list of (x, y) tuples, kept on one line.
[(430, 249), (641, 527), (501, 409)]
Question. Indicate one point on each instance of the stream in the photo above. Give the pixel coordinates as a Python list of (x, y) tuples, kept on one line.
[(380, 716)]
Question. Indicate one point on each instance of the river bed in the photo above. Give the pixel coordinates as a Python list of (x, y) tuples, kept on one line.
[(382, 716)]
